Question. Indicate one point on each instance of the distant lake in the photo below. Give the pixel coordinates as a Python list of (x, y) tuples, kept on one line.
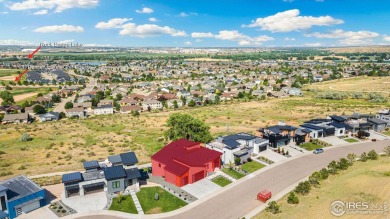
[(93, 63)]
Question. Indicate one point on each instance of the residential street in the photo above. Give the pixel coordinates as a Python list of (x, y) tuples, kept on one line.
[(239, 199)]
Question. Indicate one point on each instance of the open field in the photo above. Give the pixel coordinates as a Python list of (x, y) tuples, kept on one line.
[(358, 84), (348, 185), (23, 94), (63, 145), (360, 49)]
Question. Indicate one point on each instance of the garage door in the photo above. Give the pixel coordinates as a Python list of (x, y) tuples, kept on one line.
[(198, 176), (73, 192), (262, 148), (93, 188), (31, 206)]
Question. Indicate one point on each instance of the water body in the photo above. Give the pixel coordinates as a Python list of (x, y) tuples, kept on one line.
[(92, 63)]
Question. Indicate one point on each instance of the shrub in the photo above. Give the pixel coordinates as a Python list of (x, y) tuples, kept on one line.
[(237, 161), (372, 155), (273, 208), (25, 137), (315, 178), (332, 167), (343, 164), (303, 188), (324, 173), (363, 157), (387, 151), (351, 158), (292, 198)]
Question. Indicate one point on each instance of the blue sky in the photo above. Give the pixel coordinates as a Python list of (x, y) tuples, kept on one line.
[(196, 23)]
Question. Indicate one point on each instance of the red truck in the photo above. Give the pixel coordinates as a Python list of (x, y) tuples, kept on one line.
[(264, 196)]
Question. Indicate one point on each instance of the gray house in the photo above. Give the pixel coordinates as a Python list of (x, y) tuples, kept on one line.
[(50, 116), (116, 174), (16, 118), (378, 125), (75, 113)]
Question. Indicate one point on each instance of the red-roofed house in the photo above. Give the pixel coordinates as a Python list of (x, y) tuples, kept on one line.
[(184, 162)]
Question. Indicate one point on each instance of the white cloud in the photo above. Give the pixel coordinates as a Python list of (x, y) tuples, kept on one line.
[(234, 35), (152, 19), (198, 40), (187, 43), (386, 38), (65, 41), (41, 12), (57, 5), (16, 43), (113, 23), (147, 30), (291, 21), (59, 29), (4, 12), (201, 35), (145, 10), (313, 44), (347, 37), (182, 14), (289, 39)]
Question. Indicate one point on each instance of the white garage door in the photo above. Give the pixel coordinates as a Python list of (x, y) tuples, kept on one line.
[(31, 206)]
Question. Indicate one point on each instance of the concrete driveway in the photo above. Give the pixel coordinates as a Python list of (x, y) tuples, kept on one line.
[(201, 188), (275, 157), (335, 141), (87, 203), (377, 136), (43, 212)]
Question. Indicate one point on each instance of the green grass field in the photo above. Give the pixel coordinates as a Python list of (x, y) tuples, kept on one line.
[(221, 181), (233, 173), (310, 146), (9, 72), (20, 91), (363, 182), (350, 140), (252, 166), (167, 202), (127, 205)]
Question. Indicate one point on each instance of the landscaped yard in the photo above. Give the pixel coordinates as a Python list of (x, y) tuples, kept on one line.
[(221, 181), (387, 133), (167, 201), (350, 185), (233, 173), (310, 146), (351, 140), (252, 166), (126, 205)]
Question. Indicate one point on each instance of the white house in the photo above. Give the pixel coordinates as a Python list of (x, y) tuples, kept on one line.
[(103, 110), (240, 145), (153, 104)]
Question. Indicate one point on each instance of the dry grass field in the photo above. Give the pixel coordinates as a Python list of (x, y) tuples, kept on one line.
[(360, 49), (63, 145), (358, 84), (349, 185)]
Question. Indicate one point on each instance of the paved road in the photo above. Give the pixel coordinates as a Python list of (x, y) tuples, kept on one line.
[(240, 199), (89, 87)]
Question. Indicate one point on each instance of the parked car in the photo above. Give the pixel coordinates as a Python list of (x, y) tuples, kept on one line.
[(367, 134), (264, 195), (318, 151)]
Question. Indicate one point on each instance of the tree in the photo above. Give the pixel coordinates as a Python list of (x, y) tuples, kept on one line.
[(55, 98), (237, 160), (303, 188), (363, 157), (119, 96), (191, 103), (351, 158), (324, 173), (40, 95), (68, 105), (62, 115), (315, 178), (8, 98), (188, 127), (292, 198), (273, 208), (372, 155), (134, 113), (175, 104), (332, 167), (39, 109), (343, 164), (25, 137), (217, 99)]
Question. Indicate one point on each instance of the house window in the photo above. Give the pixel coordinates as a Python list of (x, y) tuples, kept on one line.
[(116, 184)]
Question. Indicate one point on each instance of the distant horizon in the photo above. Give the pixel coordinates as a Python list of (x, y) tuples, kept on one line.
[(173, 23)]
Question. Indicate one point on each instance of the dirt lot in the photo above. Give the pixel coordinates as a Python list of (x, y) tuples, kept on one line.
[(21, 97)]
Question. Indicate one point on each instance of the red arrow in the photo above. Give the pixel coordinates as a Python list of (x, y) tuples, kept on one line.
[(31, 55), (21, 75)]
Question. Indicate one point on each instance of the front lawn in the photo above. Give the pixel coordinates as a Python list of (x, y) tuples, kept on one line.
[(351, 140), (221, 181), (252, 166), (233, 173), (166, 202), (387, 133), (126, 205), (310, 146)]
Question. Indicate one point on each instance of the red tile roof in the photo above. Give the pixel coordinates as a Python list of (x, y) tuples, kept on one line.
[(180, 154)]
